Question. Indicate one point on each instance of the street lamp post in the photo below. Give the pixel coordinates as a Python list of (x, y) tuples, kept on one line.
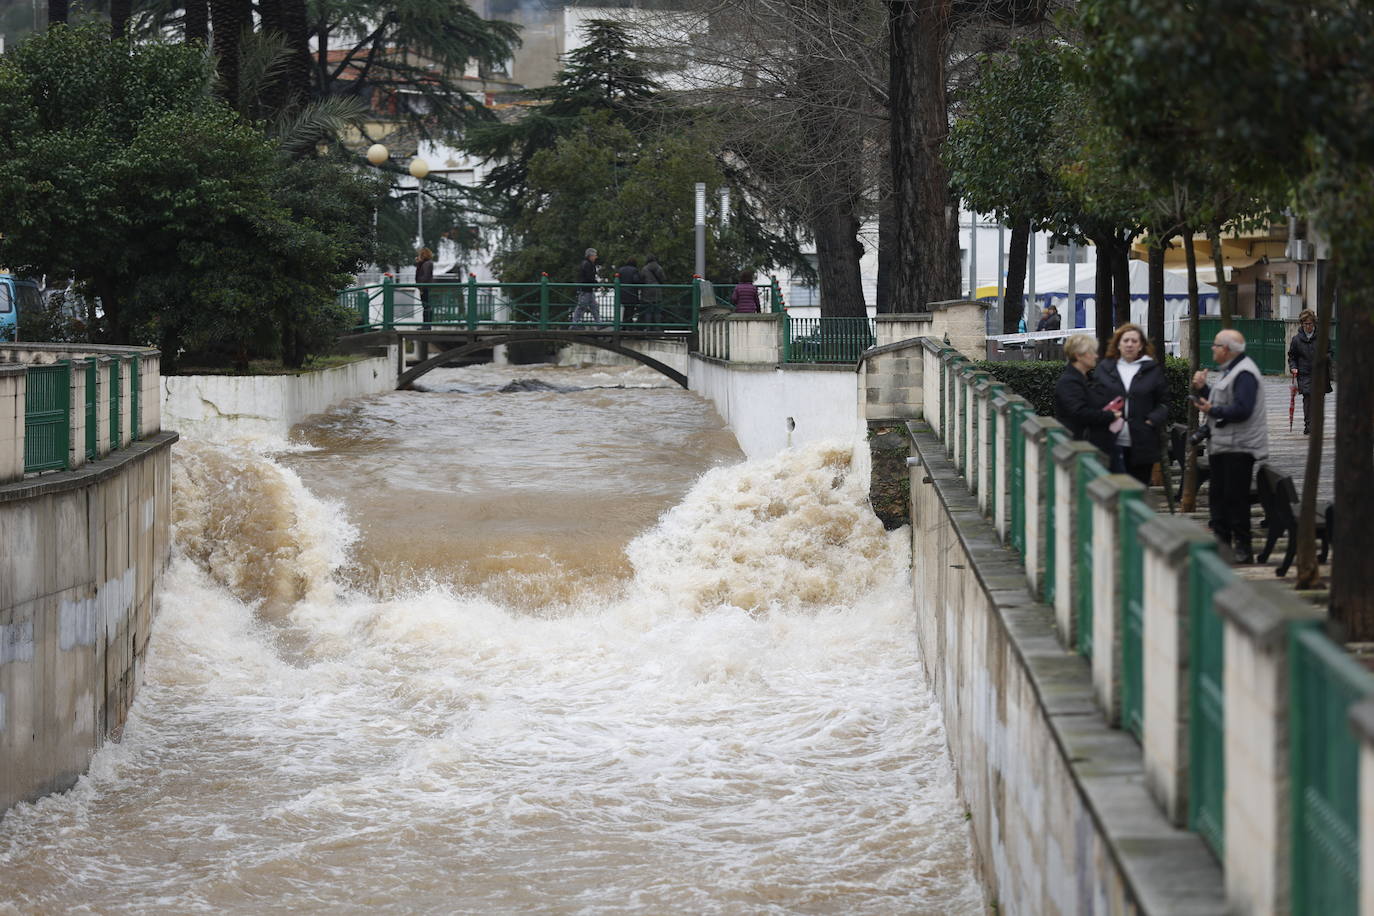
[(701, 229), (419, 168)]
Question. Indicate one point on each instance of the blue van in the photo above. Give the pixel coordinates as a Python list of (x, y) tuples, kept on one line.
[(16, 295)]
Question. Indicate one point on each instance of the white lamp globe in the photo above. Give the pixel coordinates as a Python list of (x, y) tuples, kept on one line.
[(419, 167), (377, 154)]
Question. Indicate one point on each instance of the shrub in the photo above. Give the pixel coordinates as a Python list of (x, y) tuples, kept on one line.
[(1034, 380)]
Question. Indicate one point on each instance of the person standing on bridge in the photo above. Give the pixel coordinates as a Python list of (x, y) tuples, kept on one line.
[(586, 291), (629, 291), (424, 274), (1302, 361), (653, 276)]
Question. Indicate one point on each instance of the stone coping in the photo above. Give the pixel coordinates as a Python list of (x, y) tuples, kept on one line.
[(770, 367), (1107, 489), (1171, 536), (1168, 870), (911, 343), (89, 473), (1262, 611), (92, 349), (1362, 720), (948, 303)]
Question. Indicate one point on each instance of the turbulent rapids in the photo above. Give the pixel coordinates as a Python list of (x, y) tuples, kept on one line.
[(368, 689)]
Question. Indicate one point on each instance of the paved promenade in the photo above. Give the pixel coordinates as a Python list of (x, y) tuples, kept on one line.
[(1288, 450)]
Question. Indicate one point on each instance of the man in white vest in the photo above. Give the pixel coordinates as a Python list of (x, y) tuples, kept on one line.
[(1234, 406)]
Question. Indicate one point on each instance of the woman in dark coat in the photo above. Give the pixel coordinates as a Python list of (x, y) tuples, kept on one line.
[(1078, 404), (1131, 373), (424, 273), (1302, 359)]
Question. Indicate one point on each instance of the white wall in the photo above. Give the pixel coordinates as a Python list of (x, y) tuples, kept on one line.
[(770, 409), (267, 405)]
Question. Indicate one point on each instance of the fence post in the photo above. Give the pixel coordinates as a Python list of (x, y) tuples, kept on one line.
[(1168, 542), (615, 303), (1001, 452), (1362, 721), (388, 303), (76, 415), (1107, 494), (543, 301), (1039, 477), (1259, 851), (775, 305), (984, 391)]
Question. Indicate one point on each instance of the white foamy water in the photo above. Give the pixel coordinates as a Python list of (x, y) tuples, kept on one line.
[(736, 725)]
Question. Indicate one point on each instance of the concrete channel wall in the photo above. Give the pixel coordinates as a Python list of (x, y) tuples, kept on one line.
[(269, 405), (81, 552)]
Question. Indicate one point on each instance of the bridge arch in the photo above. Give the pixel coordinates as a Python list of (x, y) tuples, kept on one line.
[(496, 340)]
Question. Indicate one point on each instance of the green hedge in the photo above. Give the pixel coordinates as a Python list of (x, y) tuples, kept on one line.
[(1034, 380)]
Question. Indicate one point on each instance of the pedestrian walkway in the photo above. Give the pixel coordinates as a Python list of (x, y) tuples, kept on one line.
[(1288, 449)]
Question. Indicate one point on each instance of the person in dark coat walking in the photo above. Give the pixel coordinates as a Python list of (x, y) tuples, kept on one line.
[(1130, 372), (653, 276), (629, 291), (586, 310), (1302, 361), (1078, 404), (745, 296), (1049, 319)]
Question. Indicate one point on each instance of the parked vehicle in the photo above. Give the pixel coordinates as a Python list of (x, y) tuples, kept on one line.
[(16, 295)]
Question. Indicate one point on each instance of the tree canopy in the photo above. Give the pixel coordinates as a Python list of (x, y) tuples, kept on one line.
[(125, 173)]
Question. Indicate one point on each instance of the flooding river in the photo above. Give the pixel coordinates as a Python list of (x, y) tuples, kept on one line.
[(532, 640)]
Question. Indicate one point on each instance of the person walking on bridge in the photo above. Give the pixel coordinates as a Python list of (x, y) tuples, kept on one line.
[(630, 279), (651, 296), (424, 275), (586, 292), (746, 295)]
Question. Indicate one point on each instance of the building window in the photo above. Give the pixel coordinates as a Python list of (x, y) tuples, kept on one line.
[(1058, 253)]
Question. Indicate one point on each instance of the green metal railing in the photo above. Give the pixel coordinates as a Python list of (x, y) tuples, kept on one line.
[(92, 385), (47, 401), (544, 305), (1016, 448), (1132, 512), (1089, 469), (115, 395), (1324, 683), (826, 340), (1052, 438), (1207, 575)]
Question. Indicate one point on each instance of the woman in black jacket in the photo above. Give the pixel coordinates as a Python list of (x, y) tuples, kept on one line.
[(1130, 372), (1302, 358), (1078, 404)]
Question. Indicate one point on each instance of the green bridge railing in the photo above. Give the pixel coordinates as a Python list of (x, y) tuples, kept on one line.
[(545, 305)]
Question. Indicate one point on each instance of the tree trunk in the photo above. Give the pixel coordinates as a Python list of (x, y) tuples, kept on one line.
[(1155, 316), (1309, 571), (1228, 308), (1352, 575), (1189, 501), (119, 17), (196, 26), (229, 18), (1102, 291), (1014, 293), (296, 28), (57, 11), (836, 229), (1121, 280), (926, 266)]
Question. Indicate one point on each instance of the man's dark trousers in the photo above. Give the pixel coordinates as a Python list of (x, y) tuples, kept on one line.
[(1230, 501)]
